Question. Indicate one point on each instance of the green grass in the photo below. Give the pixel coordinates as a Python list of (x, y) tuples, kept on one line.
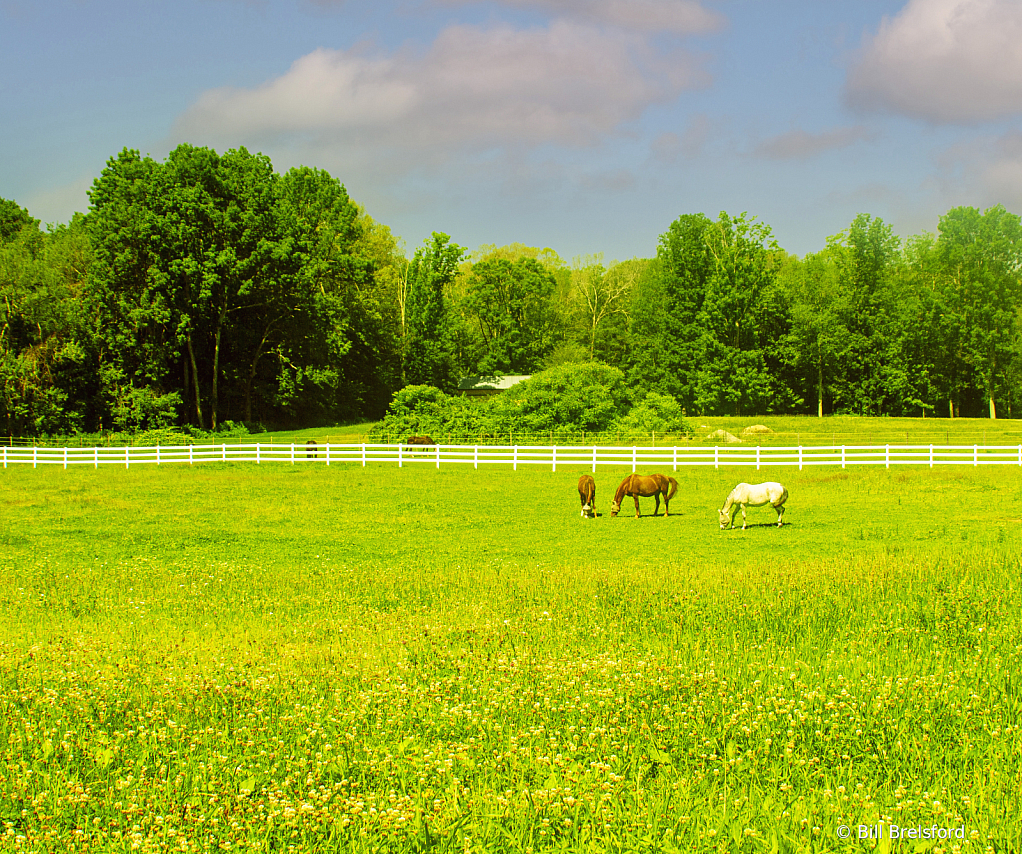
[(309, 658)]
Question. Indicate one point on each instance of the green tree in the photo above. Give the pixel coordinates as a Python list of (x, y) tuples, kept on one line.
[(981, 258), (509, 304), (666, 353), (428, 357)]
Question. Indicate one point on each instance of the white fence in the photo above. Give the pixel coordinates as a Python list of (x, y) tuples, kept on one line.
[(516, 455)]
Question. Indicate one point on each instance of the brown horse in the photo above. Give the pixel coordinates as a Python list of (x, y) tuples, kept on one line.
[(645, 485), (587, 492), (421, 441), (310, 449)]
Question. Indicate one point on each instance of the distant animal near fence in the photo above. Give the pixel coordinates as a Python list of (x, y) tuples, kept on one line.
[(521, 455)]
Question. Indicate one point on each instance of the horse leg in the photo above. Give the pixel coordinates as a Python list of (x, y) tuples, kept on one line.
[(744, 521), (636, 497), (780, 515), (667, 505), (657, 508)]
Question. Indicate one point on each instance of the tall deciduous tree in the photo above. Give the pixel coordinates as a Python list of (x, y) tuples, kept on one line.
[(509, 304), (981, 256), (428, 358)]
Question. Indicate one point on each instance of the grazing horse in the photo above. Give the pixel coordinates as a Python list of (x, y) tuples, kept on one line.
[(751, 495), (645, 485), (421, 441), (310, 449), (587, 492)]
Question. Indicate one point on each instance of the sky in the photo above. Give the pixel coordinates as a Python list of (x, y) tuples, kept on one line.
[(585, 126)]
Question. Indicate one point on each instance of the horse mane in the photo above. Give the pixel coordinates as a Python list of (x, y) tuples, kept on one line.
[(620, 494)]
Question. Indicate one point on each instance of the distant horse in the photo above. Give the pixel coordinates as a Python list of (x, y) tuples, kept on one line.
[(750, 495), (421, 441), (645, 485), (310, 449), (587, 492)]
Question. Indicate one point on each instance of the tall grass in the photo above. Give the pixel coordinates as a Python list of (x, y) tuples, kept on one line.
[(415, 659)]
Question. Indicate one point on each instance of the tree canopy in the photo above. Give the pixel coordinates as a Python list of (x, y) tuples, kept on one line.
[(209, 289)]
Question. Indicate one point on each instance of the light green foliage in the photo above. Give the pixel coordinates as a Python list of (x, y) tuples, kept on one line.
[(425, 410), (655, 413), (570, 398), (408, 660)]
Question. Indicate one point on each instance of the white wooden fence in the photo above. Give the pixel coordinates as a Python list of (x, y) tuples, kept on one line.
[(516, 455)]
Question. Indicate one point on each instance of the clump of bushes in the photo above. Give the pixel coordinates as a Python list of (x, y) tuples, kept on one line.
[(562, 403)]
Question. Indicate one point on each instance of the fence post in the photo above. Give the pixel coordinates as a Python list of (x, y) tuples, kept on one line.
[(633, 459), (800, 458), (258, 449), (438, 456), (515, 458), (363, 455), (931, 456), (975, 455), (95, 457), (1019, 455), (157, 455), (757, 457), (400, 461), (292, 453), (127, 459), (842, 456), (35, 454), (887, 456), (328, 451), (716, 458), (594, 459), (475, 456), (65, 456)]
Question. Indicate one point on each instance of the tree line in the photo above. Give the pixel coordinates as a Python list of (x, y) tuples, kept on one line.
[(208, 289)]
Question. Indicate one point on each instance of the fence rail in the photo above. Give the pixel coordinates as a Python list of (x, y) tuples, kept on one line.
[(524, 455)]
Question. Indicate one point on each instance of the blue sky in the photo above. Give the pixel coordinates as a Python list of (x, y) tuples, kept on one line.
[(586, 126)]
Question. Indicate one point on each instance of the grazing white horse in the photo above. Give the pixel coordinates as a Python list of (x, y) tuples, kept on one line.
[(754, 495)]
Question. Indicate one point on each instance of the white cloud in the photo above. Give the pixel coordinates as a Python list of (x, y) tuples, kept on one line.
[(947, 61), (801, 145), (982, 172), (648, 16), (474, 90)]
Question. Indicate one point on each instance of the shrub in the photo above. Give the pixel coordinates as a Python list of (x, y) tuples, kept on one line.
[(655, 413), (570, 398)]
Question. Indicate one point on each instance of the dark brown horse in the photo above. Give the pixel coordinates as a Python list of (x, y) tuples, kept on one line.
[(587, 492), (310, 449), (421, 441), (645, 485)]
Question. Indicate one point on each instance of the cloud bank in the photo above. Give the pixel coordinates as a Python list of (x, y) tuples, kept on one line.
[(945, 61), (473, 89)]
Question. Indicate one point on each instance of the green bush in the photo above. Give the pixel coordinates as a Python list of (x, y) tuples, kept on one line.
[(655, 413), (424, 410)]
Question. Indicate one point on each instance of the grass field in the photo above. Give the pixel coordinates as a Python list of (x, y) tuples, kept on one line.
[(274, 658)]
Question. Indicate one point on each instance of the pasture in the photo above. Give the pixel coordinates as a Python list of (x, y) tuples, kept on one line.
[(274, 658)]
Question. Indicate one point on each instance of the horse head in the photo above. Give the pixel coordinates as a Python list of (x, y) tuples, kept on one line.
[(614, 507), (725, 519)]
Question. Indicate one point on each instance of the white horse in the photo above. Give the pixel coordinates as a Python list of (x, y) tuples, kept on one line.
[(754, 495)]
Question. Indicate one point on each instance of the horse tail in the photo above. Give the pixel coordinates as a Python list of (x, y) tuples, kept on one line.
[(674, 487)]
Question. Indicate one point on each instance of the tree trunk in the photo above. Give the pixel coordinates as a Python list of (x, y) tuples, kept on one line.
[(819, 389), (195, 379), (216, 368)]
